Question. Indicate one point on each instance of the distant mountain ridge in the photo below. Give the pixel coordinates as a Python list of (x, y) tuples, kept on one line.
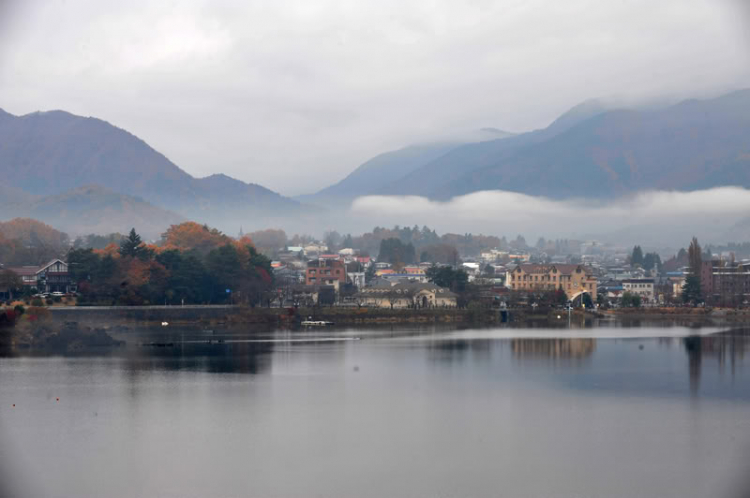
[(377, 174), (693, 145), (595, 151), (48, 153)]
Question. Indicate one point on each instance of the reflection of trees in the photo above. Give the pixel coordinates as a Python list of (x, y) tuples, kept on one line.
[(693, 348), (553, 348), (458, 350), (238, 357), (727, 349)]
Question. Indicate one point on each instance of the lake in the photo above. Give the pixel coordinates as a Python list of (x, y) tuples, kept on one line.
[(386, 412)]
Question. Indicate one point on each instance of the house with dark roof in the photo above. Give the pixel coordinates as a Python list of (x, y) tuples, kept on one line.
[(51, 277)]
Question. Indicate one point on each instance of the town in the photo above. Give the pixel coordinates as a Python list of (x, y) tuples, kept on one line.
[(399, 268)]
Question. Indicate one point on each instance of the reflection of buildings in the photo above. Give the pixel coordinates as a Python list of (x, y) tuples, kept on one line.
[(553, 348)]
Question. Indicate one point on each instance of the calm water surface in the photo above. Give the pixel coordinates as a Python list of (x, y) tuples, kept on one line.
[(639, 412)]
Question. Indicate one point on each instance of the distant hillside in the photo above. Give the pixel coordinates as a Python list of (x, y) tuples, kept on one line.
[(378, 174), (383, 169), (94, 209), (48, 153), (435, 177), (596, 153), (31, 232)]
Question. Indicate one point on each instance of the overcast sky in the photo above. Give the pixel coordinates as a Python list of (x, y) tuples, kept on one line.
[(295, 94)]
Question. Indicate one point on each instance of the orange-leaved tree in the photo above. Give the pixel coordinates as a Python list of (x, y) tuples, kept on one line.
[(193, 236)]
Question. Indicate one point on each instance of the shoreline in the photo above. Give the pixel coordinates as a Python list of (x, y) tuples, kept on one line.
[(235, 315)]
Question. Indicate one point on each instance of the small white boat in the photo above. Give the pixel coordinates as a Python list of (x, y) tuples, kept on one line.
[(315, 323)]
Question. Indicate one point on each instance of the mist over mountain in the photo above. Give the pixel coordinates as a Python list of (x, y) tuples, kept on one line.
[(420, 170), (91, 209), (48, 153), (594, 152), (375, 174), (378, 174), (77, 173)]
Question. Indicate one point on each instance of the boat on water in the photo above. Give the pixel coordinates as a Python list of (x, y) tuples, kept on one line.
[(315, 323)]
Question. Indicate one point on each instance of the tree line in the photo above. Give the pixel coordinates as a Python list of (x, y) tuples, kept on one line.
[(193, 264)]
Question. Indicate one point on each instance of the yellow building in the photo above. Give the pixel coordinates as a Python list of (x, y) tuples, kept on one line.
[(573, 279)]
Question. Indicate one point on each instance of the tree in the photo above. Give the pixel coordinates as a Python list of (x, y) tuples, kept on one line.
[(636, 257), (440, 253), (193, 236), (695, 258), (691, 291), (10, 281), (519, 243), (630, 300), (370, 274), (445, 276), (348, 242), (132, 245), (333, 240), (269, 241), (393, 251), (224, 265), (652, 261), (82, 264)]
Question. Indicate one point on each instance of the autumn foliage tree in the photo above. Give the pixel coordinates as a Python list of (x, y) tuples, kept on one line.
[(194, 264), (193, 236), (24, 241)]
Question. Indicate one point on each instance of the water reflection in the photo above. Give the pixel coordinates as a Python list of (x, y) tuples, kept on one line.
[(397, 413), (235, 358), (726, 349), (553, 348)]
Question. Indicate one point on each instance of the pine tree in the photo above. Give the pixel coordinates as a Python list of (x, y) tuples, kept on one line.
[(131, 246), (637, 257), (691, 291)]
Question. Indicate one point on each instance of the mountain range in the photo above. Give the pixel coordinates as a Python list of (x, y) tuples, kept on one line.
[(50, 156), (84, 174), (591, 151)]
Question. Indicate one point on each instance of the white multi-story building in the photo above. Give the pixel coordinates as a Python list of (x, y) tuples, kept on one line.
[(643, 287)]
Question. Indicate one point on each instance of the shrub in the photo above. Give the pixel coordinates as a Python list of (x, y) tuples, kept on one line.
[(49, 301), (57, 299), (36, 314), (36, 302)]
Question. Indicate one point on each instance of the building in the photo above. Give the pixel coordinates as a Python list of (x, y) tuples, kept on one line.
[(726, 283), (326, 272), (52, 277), (407, 295), (676, 279), (572, 279), (357, 278), (315, 249), (643, 287)]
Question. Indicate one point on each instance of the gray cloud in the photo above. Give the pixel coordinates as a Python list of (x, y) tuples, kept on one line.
[(295, 94)]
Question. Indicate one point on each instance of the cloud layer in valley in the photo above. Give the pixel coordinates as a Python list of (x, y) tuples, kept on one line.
[(295, 94), (660, 219)]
